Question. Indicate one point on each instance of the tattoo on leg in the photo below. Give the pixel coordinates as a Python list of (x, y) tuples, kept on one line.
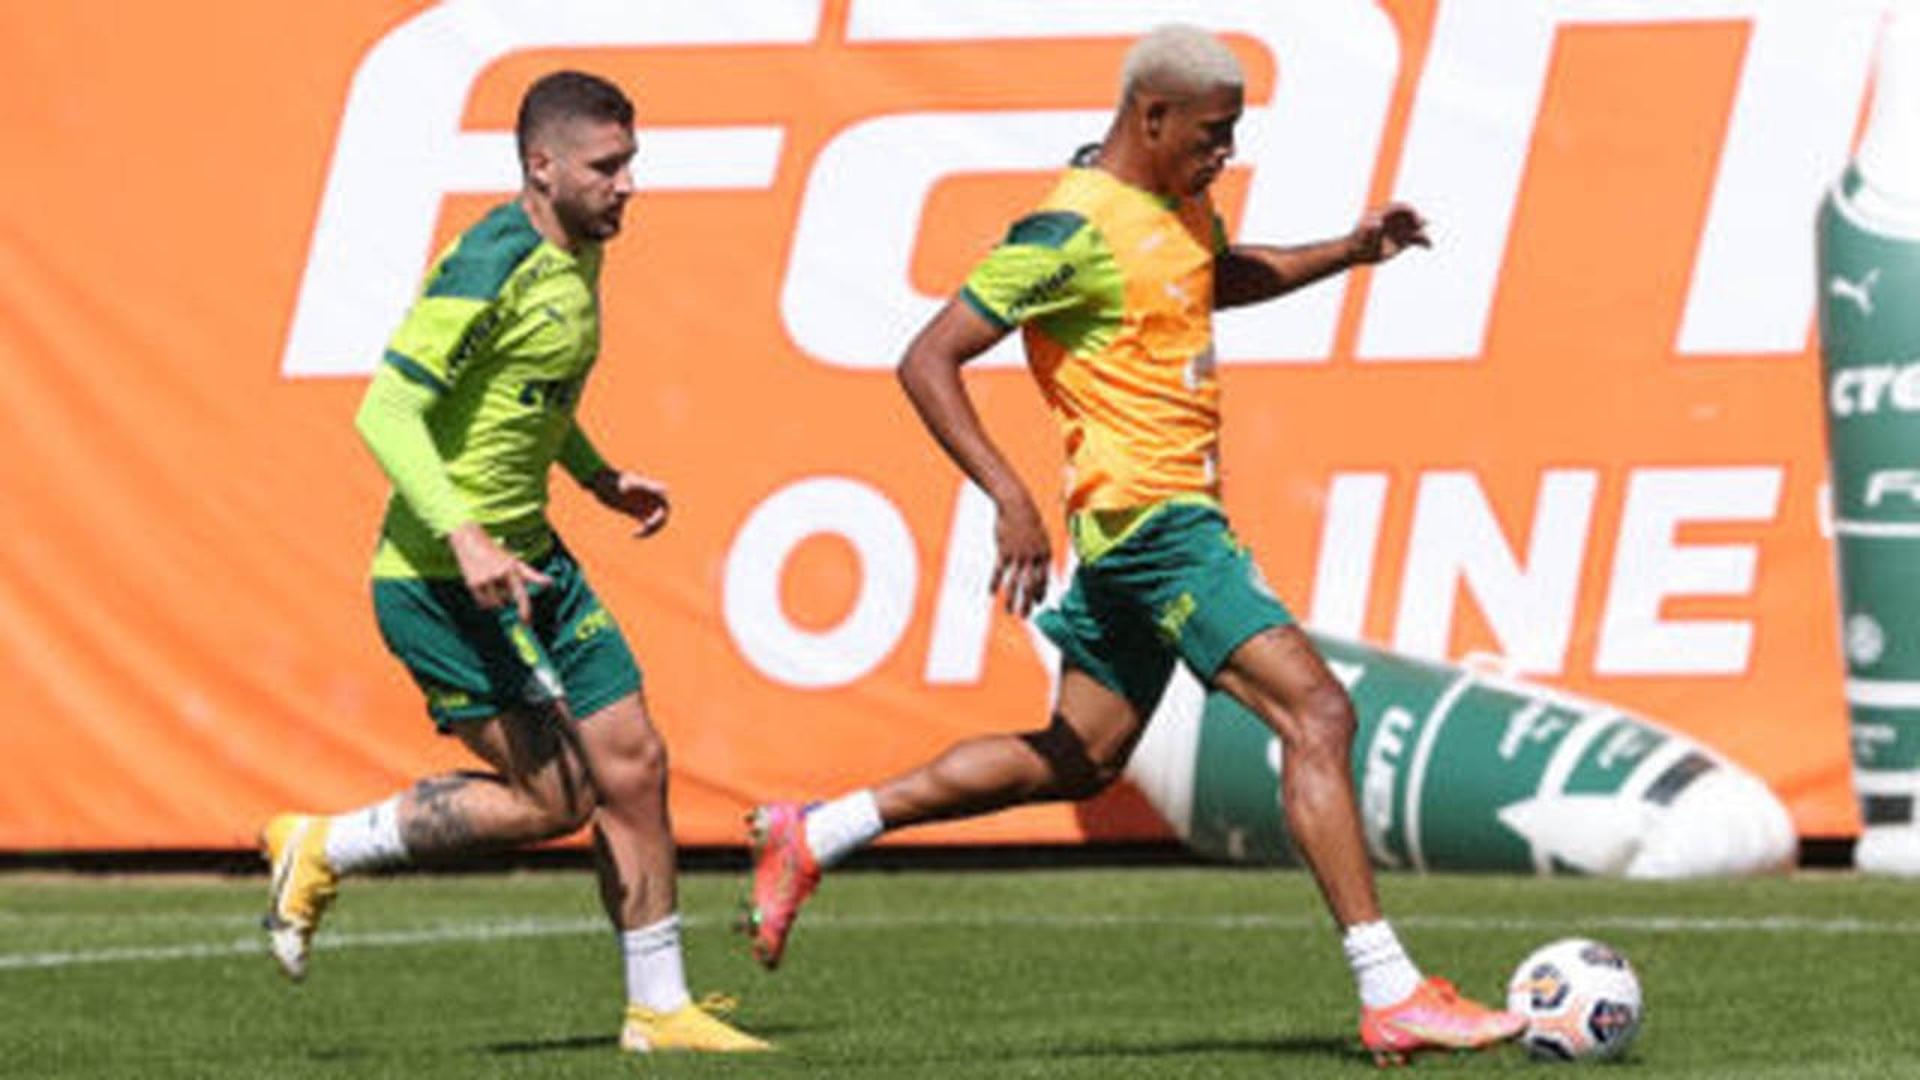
[(437, 824)]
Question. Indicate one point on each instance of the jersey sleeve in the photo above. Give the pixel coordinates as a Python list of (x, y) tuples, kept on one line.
[(392, 420), (460, 304), (1034, 272), (579, 456), (428, 346)]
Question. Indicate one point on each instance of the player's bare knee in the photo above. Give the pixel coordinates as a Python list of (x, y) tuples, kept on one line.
[(1325, 722), (647, 760), (637, 771)]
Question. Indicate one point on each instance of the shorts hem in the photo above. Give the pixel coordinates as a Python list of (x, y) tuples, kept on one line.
[(1075, 654), (587, 706), (444, 722), (1272, 622)]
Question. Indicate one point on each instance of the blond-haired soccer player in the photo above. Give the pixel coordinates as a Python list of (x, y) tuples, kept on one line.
[(1113, 281), (472, 406)]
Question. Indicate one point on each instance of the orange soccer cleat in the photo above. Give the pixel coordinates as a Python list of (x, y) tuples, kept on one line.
[(1433, 1017), (784, 875)]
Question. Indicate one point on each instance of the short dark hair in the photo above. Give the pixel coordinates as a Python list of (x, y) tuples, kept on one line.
[(568, 95)]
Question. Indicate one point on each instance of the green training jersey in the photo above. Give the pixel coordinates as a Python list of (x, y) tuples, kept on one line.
[(503, 337)]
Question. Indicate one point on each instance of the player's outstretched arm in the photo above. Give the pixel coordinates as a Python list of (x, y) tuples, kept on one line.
[(930, 374), (1250, 273)]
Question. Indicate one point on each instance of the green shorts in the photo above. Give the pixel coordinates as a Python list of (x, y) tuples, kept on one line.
[(473, 663), (1180, 587)]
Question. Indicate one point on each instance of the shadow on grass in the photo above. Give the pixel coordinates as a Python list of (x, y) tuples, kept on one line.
[(1293, 1046), (1281, 1049), (548, 1046), (594, 1042), (1296, 1050)]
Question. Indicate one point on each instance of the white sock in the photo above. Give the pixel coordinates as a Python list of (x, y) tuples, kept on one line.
[(366, 839), (1380, 966), (656, 974), (839, 828)]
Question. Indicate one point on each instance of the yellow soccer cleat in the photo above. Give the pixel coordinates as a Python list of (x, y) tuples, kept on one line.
[(690, 1027), (295, 846)]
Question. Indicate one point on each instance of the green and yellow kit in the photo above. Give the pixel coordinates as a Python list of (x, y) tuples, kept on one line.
[(472, 405), (1112, 289)]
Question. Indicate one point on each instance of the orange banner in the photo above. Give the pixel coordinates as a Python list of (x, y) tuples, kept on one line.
[(1583, 432)]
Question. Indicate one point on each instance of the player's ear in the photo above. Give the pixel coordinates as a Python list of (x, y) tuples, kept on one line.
[(1154, 115), (539, 165)]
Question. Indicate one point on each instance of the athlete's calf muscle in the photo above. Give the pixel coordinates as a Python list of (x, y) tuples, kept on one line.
[(432, 822)]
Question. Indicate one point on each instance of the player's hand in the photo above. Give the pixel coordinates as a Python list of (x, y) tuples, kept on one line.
[(1024, 556), (495, 579), (642, 499), (1386, 231)]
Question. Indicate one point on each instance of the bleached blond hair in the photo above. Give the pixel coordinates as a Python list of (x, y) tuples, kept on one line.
[(1179, 58)]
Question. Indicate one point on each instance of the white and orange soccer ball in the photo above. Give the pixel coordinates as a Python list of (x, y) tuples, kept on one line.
[(1581, 1000)]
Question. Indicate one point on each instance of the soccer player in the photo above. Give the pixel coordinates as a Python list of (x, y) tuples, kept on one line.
[(473, 404), (1113, 281)]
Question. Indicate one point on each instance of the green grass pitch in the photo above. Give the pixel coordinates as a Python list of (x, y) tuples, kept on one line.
[(1140, 972)]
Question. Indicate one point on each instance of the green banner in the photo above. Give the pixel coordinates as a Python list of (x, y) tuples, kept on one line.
[(1456, 769), (1870, 350)]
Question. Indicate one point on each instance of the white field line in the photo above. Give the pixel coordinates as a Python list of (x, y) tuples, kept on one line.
[(39, 919), (376, 939), (495, 930)]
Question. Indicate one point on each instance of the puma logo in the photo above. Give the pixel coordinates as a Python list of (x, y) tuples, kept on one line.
[(1860, 292)]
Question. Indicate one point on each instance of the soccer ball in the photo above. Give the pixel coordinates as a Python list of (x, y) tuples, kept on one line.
[(1581, 1000)]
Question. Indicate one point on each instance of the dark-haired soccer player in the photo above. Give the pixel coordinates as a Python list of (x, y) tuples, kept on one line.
[(473, 404), (1114, 280)]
